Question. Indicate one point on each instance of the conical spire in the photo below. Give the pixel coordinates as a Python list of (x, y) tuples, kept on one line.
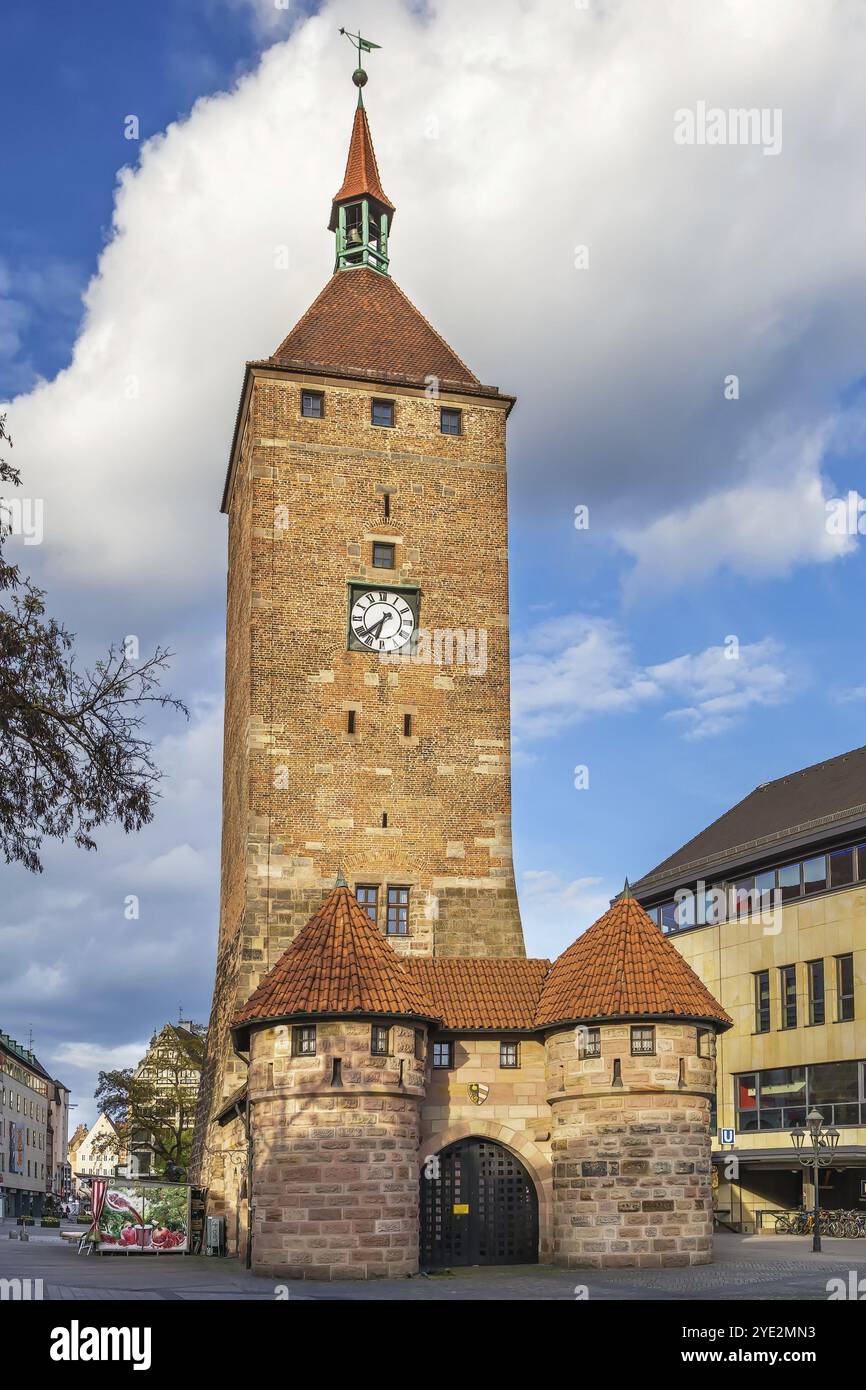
[(362, 212), (338, 964), (623, 967), (362, 172)]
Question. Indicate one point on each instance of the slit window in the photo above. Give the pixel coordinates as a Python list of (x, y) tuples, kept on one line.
[(407, 726), (382, 414), (350, 721), (380, 1040), (312, 405), (386, 506), (450, 420)]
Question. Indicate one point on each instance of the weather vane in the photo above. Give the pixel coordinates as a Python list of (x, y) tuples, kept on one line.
[(359, 77)]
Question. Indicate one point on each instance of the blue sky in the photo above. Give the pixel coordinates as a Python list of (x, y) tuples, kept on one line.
[(506, 143)]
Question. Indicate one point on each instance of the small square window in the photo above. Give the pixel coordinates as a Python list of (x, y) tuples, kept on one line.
[(382, 414), (643, 1042), (368, 896), (380, 1040), (398, 911), (450, 421), (509, 1054), (313, 404), (443, 1055), (383, 555), (588, 1042), (304, 1040)]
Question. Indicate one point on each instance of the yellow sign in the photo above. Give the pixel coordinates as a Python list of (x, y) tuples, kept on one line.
[(461, 1209)]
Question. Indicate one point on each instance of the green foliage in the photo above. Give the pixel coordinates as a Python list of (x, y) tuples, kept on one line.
[(153, 1107), (73, 755)]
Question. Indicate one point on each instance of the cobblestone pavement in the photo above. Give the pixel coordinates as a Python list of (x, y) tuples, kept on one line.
[(745, 1267)]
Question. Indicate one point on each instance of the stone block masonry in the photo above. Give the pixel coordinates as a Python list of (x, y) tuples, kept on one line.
[(335, 1167), (631, 1162)]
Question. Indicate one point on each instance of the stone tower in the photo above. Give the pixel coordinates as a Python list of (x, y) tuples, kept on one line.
[(367, 687), (335, 1091), (630, 1036)]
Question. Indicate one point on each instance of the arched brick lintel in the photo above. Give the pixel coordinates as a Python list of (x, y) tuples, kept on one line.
[(536, 1163)]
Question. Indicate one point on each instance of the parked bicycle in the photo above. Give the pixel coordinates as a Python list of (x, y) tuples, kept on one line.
[(850, 1225)]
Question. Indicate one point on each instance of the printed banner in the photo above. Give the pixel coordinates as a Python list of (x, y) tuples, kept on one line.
[(16, 1148), (145, 1218)]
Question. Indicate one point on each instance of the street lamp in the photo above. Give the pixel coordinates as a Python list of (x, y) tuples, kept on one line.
[(818, 1155)]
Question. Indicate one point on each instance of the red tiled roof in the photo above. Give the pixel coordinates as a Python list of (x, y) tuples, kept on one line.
[(362, 171), (479, 993), (339, 963), (361, 321), (623, 967)]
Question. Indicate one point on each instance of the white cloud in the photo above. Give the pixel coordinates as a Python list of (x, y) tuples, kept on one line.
[(555, 911), (569, 669), (721, 688), (36, 983), (765, 526), (703, 261), (91, 1057)]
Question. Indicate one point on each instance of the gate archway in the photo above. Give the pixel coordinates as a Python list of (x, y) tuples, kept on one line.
[(479, 1206)]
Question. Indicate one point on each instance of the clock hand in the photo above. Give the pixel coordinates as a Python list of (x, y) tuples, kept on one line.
[(376, 631)]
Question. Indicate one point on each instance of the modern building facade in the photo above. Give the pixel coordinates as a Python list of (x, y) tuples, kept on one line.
[(33, 1122), (768, 906), (390, 1081)]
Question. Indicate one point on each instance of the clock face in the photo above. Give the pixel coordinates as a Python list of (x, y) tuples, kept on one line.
[(380, 621)]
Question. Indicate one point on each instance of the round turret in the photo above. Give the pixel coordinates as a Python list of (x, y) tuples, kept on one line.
[(630, 1059)]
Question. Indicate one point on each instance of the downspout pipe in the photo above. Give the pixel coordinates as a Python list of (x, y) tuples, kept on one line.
[(248, 1262)]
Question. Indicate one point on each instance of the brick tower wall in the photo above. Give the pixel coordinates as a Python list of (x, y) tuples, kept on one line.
[(631, 1164), (335, 1169), (301, 796), (309, 497)]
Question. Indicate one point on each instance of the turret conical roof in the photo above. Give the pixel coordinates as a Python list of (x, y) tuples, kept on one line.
[(623, 967), (338, 964)]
